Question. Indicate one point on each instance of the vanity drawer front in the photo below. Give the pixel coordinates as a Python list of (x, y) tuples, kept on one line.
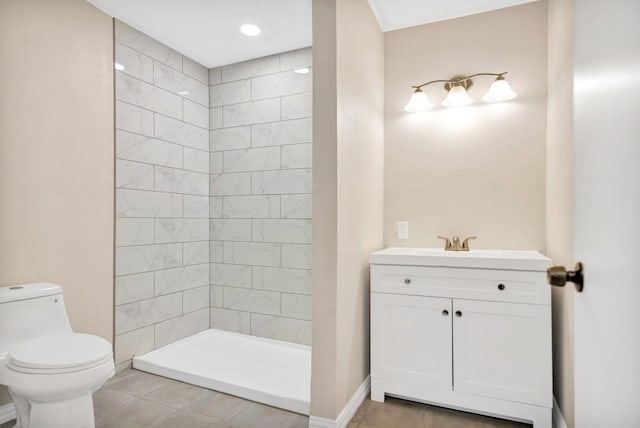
[(475, 284)]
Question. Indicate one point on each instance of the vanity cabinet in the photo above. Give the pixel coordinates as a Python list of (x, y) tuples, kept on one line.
[(471, 338)]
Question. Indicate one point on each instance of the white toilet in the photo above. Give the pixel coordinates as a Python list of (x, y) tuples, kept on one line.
[(51, 372)]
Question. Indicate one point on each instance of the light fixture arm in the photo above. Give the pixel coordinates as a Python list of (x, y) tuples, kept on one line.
[(457, 81)]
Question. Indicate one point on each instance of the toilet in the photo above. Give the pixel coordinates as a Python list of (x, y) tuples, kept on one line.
[(50, 371)]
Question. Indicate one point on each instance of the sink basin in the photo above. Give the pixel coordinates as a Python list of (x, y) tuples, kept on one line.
[(483, 259)]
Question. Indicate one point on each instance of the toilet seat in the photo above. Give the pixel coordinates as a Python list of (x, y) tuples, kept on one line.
[(61, 353)]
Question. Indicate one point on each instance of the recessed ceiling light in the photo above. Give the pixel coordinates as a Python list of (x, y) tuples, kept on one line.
[(118, 66), (302, 70), (250, 30)]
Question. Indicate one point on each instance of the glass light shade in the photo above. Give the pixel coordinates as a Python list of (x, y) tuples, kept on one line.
[(457, 97), (500, 90), (418, 102)]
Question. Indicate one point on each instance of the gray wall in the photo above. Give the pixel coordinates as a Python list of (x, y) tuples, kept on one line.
[(162, 195), (261, 197)]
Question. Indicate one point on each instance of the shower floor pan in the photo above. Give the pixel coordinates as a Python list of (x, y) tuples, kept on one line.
[(263, 370)]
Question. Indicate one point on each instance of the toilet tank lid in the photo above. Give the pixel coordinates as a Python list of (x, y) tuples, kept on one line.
[(13, 293)]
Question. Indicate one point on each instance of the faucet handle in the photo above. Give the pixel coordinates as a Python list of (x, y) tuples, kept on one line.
[(447, 242), (465, 243)]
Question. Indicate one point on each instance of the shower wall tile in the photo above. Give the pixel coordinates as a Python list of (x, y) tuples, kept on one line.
[(135, 63), (134, 231), (252, 112), (142, 43), (296, 306), (252, 253), (296, 256), (296, 59), (169, 331), (281, 230), (280, 328), (132, 288), (248, 300), (195, 206), (134, 175), (145, 258), (296, 156), (135, 342), (231, 275), (196, 160), (280, 84), (140, 203), (179, 83), (216, 249), (146, 312), (260, 187), (231, 138), (181, 229), (140, 148), (181, 181), (296, 206), (230, 184), (267, 158), (195, 113), (296, 106), (196, 299), (176, 131), (282, 279), (230, 93), (195, 252), (134, 119), (148, 96), (280, 133), (162, 195), (251, 68), (251, 206), (195, 70), (225, 319), (281, 182)]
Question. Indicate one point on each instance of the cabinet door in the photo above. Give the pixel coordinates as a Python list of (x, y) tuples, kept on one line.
[(411, 339), (503, 350)]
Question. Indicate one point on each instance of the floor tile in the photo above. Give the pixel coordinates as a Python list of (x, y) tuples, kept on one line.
[(181, 419), (176, 394), (260, 416), (137, 413), (218, 407), (135, 382), (394, 413)]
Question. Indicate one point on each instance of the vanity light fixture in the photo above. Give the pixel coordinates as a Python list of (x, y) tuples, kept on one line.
[(457, 95)]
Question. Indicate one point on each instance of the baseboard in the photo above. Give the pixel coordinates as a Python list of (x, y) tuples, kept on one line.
[(558, 418), (347, 412), (7, 413)]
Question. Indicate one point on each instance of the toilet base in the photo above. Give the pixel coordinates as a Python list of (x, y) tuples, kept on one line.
[(70, 412)]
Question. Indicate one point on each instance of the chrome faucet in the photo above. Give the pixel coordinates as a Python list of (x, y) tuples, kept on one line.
[(454, 243)]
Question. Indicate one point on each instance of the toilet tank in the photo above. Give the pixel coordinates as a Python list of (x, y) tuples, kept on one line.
[(30, 310)]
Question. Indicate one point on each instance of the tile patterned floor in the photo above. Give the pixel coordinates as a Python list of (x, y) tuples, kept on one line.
[(135, 399)]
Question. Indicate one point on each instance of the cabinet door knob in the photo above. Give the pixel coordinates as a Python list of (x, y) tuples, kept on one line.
[(500, 286), (407, 281), (445, 313), (458, 313)]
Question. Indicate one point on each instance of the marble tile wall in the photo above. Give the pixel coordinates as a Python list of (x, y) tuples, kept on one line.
[(260, 205), (162, 195)]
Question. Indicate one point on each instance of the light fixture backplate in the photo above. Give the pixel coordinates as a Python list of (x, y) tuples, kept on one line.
[(466, 83)]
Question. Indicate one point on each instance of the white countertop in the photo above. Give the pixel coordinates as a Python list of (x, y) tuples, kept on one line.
[(478, 259)]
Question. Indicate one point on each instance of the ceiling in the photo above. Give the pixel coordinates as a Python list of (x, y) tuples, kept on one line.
[(207, 31), (396, 14)]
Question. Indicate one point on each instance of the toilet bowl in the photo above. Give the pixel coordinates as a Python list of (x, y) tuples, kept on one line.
[(50, 371)]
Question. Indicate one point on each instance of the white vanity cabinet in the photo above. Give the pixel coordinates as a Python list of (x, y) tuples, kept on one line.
[(467, 330)]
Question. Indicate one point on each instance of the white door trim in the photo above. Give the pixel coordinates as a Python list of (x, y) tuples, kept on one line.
[(347, 412)]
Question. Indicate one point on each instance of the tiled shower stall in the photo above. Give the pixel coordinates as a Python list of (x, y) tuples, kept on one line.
[(213, 196)]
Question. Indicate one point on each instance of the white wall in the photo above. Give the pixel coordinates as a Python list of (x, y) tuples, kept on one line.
[(162, 195), (261, 197)]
